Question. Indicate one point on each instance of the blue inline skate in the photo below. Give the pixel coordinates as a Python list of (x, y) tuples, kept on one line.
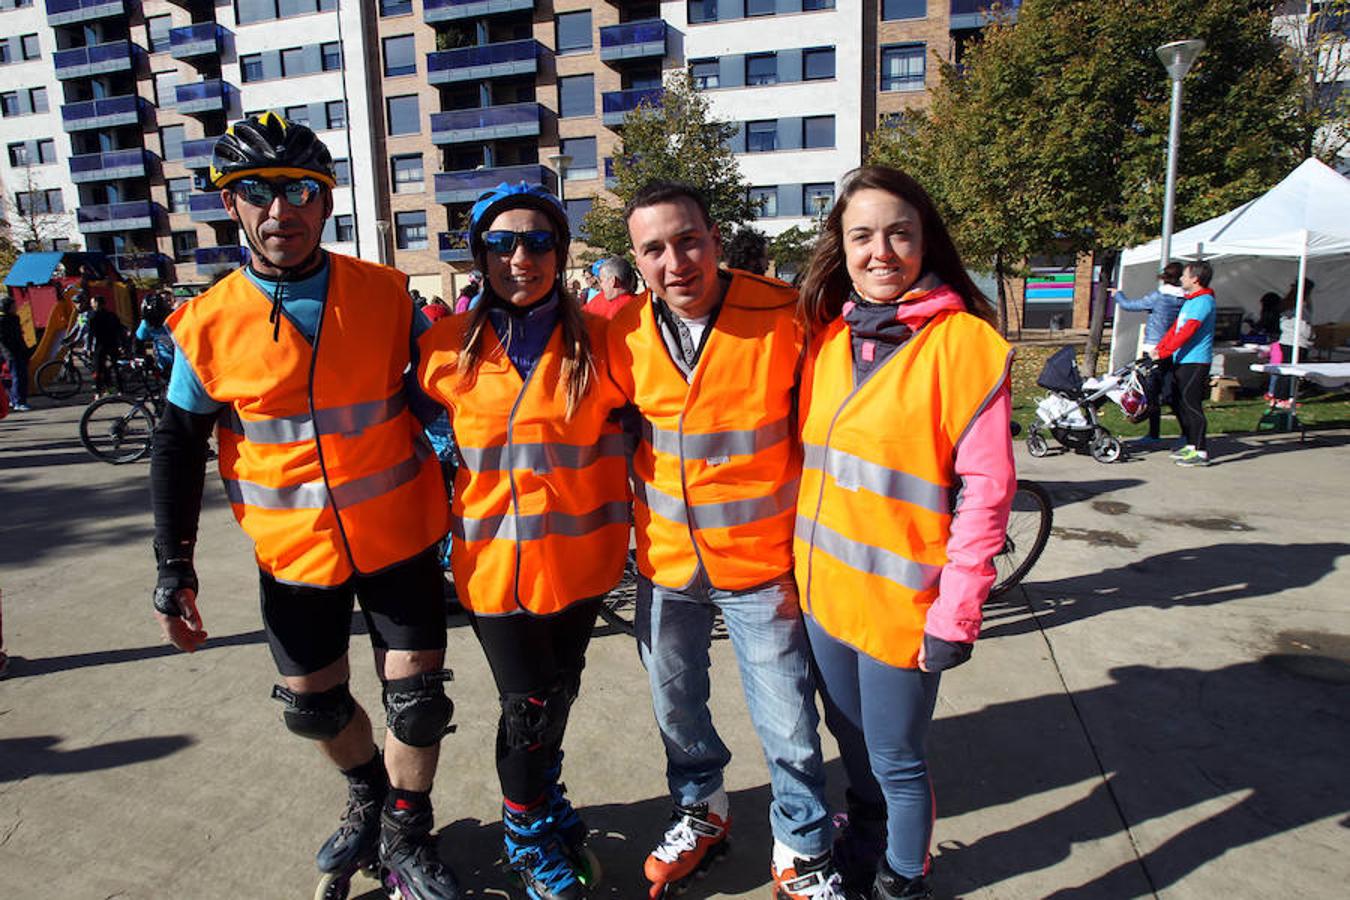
[(538, 857)]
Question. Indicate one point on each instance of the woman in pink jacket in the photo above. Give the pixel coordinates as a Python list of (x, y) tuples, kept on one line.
[(907, 481)]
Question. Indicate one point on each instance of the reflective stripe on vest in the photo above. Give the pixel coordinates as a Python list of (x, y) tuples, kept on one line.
[(541, 457), (314, 494), (727, 514), (345, 420), (866, 558), (541, 525), (852, 472), (718, 445)]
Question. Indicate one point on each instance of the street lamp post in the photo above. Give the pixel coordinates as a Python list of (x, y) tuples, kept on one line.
[(1177, 57), (382, 229)]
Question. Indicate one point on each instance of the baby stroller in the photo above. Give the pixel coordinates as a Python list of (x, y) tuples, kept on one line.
[(1070, 411)]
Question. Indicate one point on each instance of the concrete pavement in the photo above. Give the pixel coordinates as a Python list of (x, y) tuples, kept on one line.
[(1162, 710)]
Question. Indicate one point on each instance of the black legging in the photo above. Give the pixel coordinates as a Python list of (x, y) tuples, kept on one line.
[(1192, 384), (1160, 388), (533, 655)]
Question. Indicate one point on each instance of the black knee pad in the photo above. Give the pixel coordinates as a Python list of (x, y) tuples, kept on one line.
[(535, 719), (417, 710), (319, 715)]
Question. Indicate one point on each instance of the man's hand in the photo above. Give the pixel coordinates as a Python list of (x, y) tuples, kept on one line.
[(184, 630)]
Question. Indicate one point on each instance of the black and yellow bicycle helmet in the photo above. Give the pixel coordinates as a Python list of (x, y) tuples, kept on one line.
[(270, 145)]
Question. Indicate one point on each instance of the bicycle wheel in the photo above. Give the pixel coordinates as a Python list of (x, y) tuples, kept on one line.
[(58, 379), (117, 429), (1028, 532), (620, 604)]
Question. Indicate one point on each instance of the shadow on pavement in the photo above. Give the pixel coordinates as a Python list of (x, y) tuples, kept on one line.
[(1199, 576), (28, 756), (22, 667), (1234, 449)]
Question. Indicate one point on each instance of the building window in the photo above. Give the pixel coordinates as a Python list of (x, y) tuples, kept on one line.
[(576, 215), (903, 9), (293, 61), (817, 132), (410, 230), (37, 98), (761, 68), (55, 200), (813, 5), (760, 7), (179, 190), (584, 163), (165, 95), (32, 48), (403, 114), (9, 103), (331, 54), (342, 171), (400, 57), (573, 31), (765, 201), (184, 242), (46, 151), (335, 113), (761, 136), (902, 67), (39, 202), (817, 198), (158, 29), (171, 138), (817, 63), (344, 229), (576, 96), (395, 7), (408, 175), (297, 114), (702, 11), (19, 155), (706, 73), (251, 67)]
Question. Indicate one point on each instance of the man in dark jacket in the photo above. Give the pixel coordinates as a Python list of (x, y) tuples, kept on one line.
[(14, 349), (106, 331)]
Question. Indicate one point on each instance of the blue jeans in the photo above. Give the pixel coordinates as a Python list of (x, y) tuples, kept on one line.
[(674, 630)]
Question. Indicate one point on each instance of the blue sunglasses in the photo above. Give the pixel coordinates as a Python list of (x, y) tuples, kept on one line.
[(505, 242), (261, 193)]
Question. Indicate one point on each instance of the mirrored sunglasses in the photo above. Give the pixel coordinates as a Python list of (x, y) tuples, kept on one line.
[(505, 241), (257, 192)]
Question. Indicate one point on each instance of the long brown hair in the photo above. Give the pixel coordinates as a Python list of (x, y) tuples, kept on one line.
[(578, 366), (827, 286)]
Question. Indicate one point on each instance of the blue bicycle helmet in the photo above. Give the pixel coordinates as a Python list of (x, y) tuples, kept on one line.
[(515, 196)]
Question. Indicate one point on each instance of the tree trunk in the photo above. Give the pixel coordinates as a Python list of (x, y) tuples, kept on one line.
[(1002, 293), (1097, 321)]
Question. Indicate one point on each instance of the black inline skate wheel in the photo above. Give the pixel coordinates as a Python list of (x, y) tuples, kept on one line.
[(1029, 524)]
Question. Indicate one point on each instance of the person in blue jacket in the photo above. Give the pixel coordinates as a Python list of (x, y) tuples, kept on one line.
[(1162, 306)]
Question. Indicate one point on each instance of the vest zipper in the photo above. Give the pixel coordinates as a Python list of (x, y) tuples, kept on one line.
[(318, 437), (510, 462)]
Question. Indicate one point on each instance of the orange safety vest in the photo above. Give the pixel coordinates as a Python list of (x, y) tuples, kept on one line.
[(325, 466), (540, 508), (875, 508), (716, 470)]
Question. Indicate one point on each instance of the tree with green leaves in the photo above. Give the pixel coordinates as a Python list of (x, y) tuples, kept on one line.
[(1052, 136), (791, 249), (677, 140)]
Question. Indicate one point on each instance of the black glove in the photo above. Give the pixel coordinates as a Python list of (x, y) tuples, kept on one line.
[(940, 655), (175, 574)]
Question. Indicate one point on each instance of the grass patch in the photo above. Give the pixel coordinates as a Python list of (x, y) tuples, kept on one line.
[(1328, 410)]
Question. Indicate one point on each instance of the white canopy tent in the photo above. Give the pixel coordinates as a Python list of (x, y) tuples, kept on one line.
[(1298, 229)]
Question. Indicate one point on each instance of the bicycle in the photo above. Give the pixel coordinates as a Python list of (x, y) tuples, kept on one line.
[(120, 428), (61, 378)]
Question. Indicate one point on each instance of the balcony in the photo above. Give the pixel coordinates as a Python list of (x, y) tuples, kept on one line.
[(193, 41), (100, 59), (108, 113), (197, 154), (205, 97), (633, 40), (975, 13), (133, 216), (143, 265), (454, 246), (617, 105), (452, 10), (610, 178), (485, 61), (72, 12), (489, 123), (207, 208), (89, 168), (211, 261), (465, 187)]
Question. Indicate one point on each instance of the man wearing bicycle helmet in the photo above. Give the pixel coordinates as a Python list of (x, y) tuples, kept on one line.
[(299, 361)]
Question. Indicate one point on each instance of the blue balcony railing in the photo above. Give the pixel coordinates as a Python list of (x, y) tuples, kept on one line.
[(204, 96), (202, 39), (454, 246), (212, 260), (633, 40), (450, 10), (485, 61), (71, 12), (197, 154), (465, 187), (88, 168), (107, 113), (610, 178), (975, 13), (99, 59), (618, 104), (136, 215), (489, 123), (142, 265), (207, 208)]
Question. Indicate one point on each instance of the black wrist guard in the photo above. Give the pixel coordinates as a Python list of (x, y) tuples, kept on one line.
[(175, 574)]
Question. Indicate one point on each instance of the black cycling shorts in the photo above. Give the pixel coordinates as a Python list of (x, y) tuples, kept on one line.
[(309, 628)]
